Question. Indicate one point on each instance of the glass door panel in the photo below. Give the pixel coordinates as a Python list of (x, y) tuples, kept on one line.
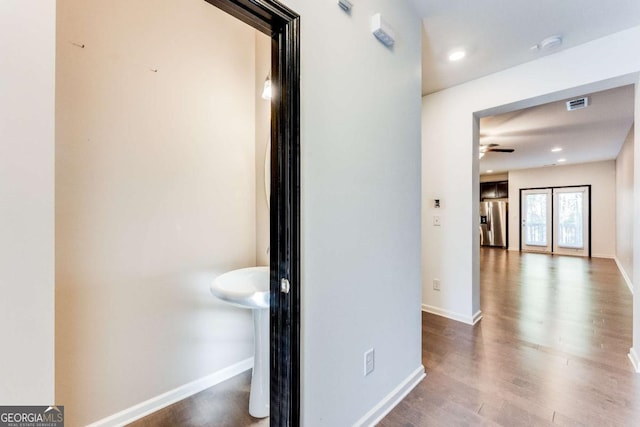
[(536, 220), (571, 220)]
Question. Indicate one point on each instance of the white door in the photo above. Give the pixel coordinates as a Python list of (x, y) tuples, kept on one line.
[(536, 220), (571, 221)]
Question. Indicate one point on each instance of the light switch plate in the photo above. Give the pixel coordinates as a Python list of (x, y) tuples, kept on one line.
[(369, 361)]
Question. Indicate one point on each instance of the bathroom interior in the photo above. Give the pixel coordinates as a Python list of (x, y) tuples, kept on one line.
[(162, 138)]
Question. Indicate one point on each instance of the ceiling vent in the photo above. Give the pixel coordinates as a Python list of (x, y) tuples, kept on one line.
[(577, 104)]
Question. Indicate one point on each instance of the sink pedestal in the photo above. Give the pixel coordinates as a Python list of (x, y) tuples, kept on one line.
[(259, 397), (249, 288)]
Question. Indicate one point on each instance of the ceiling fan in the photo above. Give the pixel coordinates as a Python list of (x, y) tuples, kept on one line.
[(487, 148)]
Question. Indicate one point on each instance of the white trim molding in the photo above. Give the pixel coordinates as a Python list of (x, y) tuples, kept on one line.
[(378, 412), (154, 404), (635, 360), (477, 317), (624, 275), (606, 256), (469, 320)]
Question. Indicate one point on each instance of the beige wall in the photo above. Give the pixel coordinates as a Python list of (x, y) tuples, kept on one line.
[(263, 136), (155, 196), (494, 177), (27, 40), (601, 176), (624, 207)]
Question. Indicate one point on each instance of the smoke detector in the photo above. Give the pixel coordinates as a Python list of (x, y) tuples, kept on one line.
[(577, 104), (549, 43)]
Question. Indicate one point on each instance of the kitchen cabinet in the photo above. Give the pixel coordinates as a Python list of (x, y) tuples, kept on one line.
[(494, 190)]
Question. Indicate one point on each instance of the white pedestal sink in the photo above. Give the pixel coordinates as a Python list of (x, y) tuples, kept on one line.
[(249, 288)]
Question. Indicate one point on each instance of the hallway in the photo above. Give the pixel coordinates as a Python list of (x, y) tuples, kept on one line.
[(551, 349)]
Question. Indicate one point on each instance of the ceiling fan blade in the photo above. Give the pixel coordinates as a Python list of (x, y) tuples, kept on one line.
[(502, 150)]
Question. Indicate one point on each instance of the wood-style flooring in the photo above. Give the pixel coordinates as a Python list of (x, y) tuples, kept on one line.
[(224, 405), (551, 349)]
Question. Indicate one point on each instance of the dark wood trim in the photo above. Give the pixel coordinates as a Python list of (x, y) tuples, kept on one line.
[(283, 26), (589, 219), (285, 226), (520, 220), (552, 206), (267, 16)]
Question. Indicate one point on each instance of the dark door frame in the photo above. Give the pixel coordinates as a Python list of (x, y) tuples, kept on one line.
[(552, 206), (283, 26)]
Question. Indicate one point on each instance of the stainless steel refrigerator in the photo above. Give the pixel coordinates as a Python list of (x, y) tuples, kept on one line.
[(493, 224)]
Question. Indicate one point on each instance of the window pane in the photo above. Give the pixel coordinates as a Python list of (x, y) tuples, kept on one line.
[(570, 224), (536, 220)]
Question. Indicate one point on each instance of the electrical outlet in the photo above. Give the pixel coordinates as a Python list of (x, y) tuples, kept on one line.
[(369, 361), (436, 284)]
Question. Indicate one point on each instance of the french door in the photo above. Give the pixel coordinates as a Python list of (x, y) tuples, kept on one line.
[(536, 220), (556, 220)]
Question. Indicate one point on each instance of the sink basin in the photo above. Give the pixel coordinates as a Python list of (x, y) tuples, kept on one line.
[(249, 288), (246, 287)]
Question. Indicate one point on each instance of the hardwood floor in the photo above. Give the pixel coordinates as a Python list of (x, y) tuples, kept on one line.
[(224, 405), (551, 349)]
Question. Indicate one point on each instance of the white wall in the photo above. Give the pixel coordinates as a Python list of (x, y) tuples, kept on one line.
[(624, 207), (602, 178), (155, 197), (635, 350), (450, 158), (360, 207), (27, 43)]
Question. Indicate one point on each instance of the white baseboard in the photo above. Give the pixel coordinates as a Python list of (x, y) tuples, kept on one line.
[(624, 275), (635, 361), (378, 412), (156, 403), (607, 256), (469, 320), (477, 317)]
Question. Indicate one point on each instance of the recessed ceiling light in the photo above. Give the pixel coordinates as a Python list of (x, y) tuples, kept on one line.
[(556, 149), (562, 160), (490, 171), (457, 55)]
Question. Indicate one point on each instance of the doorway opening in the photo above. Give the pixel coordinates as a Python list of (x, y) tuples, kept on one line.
[(558, 208), (155, 194), (283, 26)]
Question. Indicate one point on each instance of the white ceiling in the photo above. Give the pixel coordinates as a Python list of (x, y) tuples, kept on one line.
[(498, 34), (591, 134)]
